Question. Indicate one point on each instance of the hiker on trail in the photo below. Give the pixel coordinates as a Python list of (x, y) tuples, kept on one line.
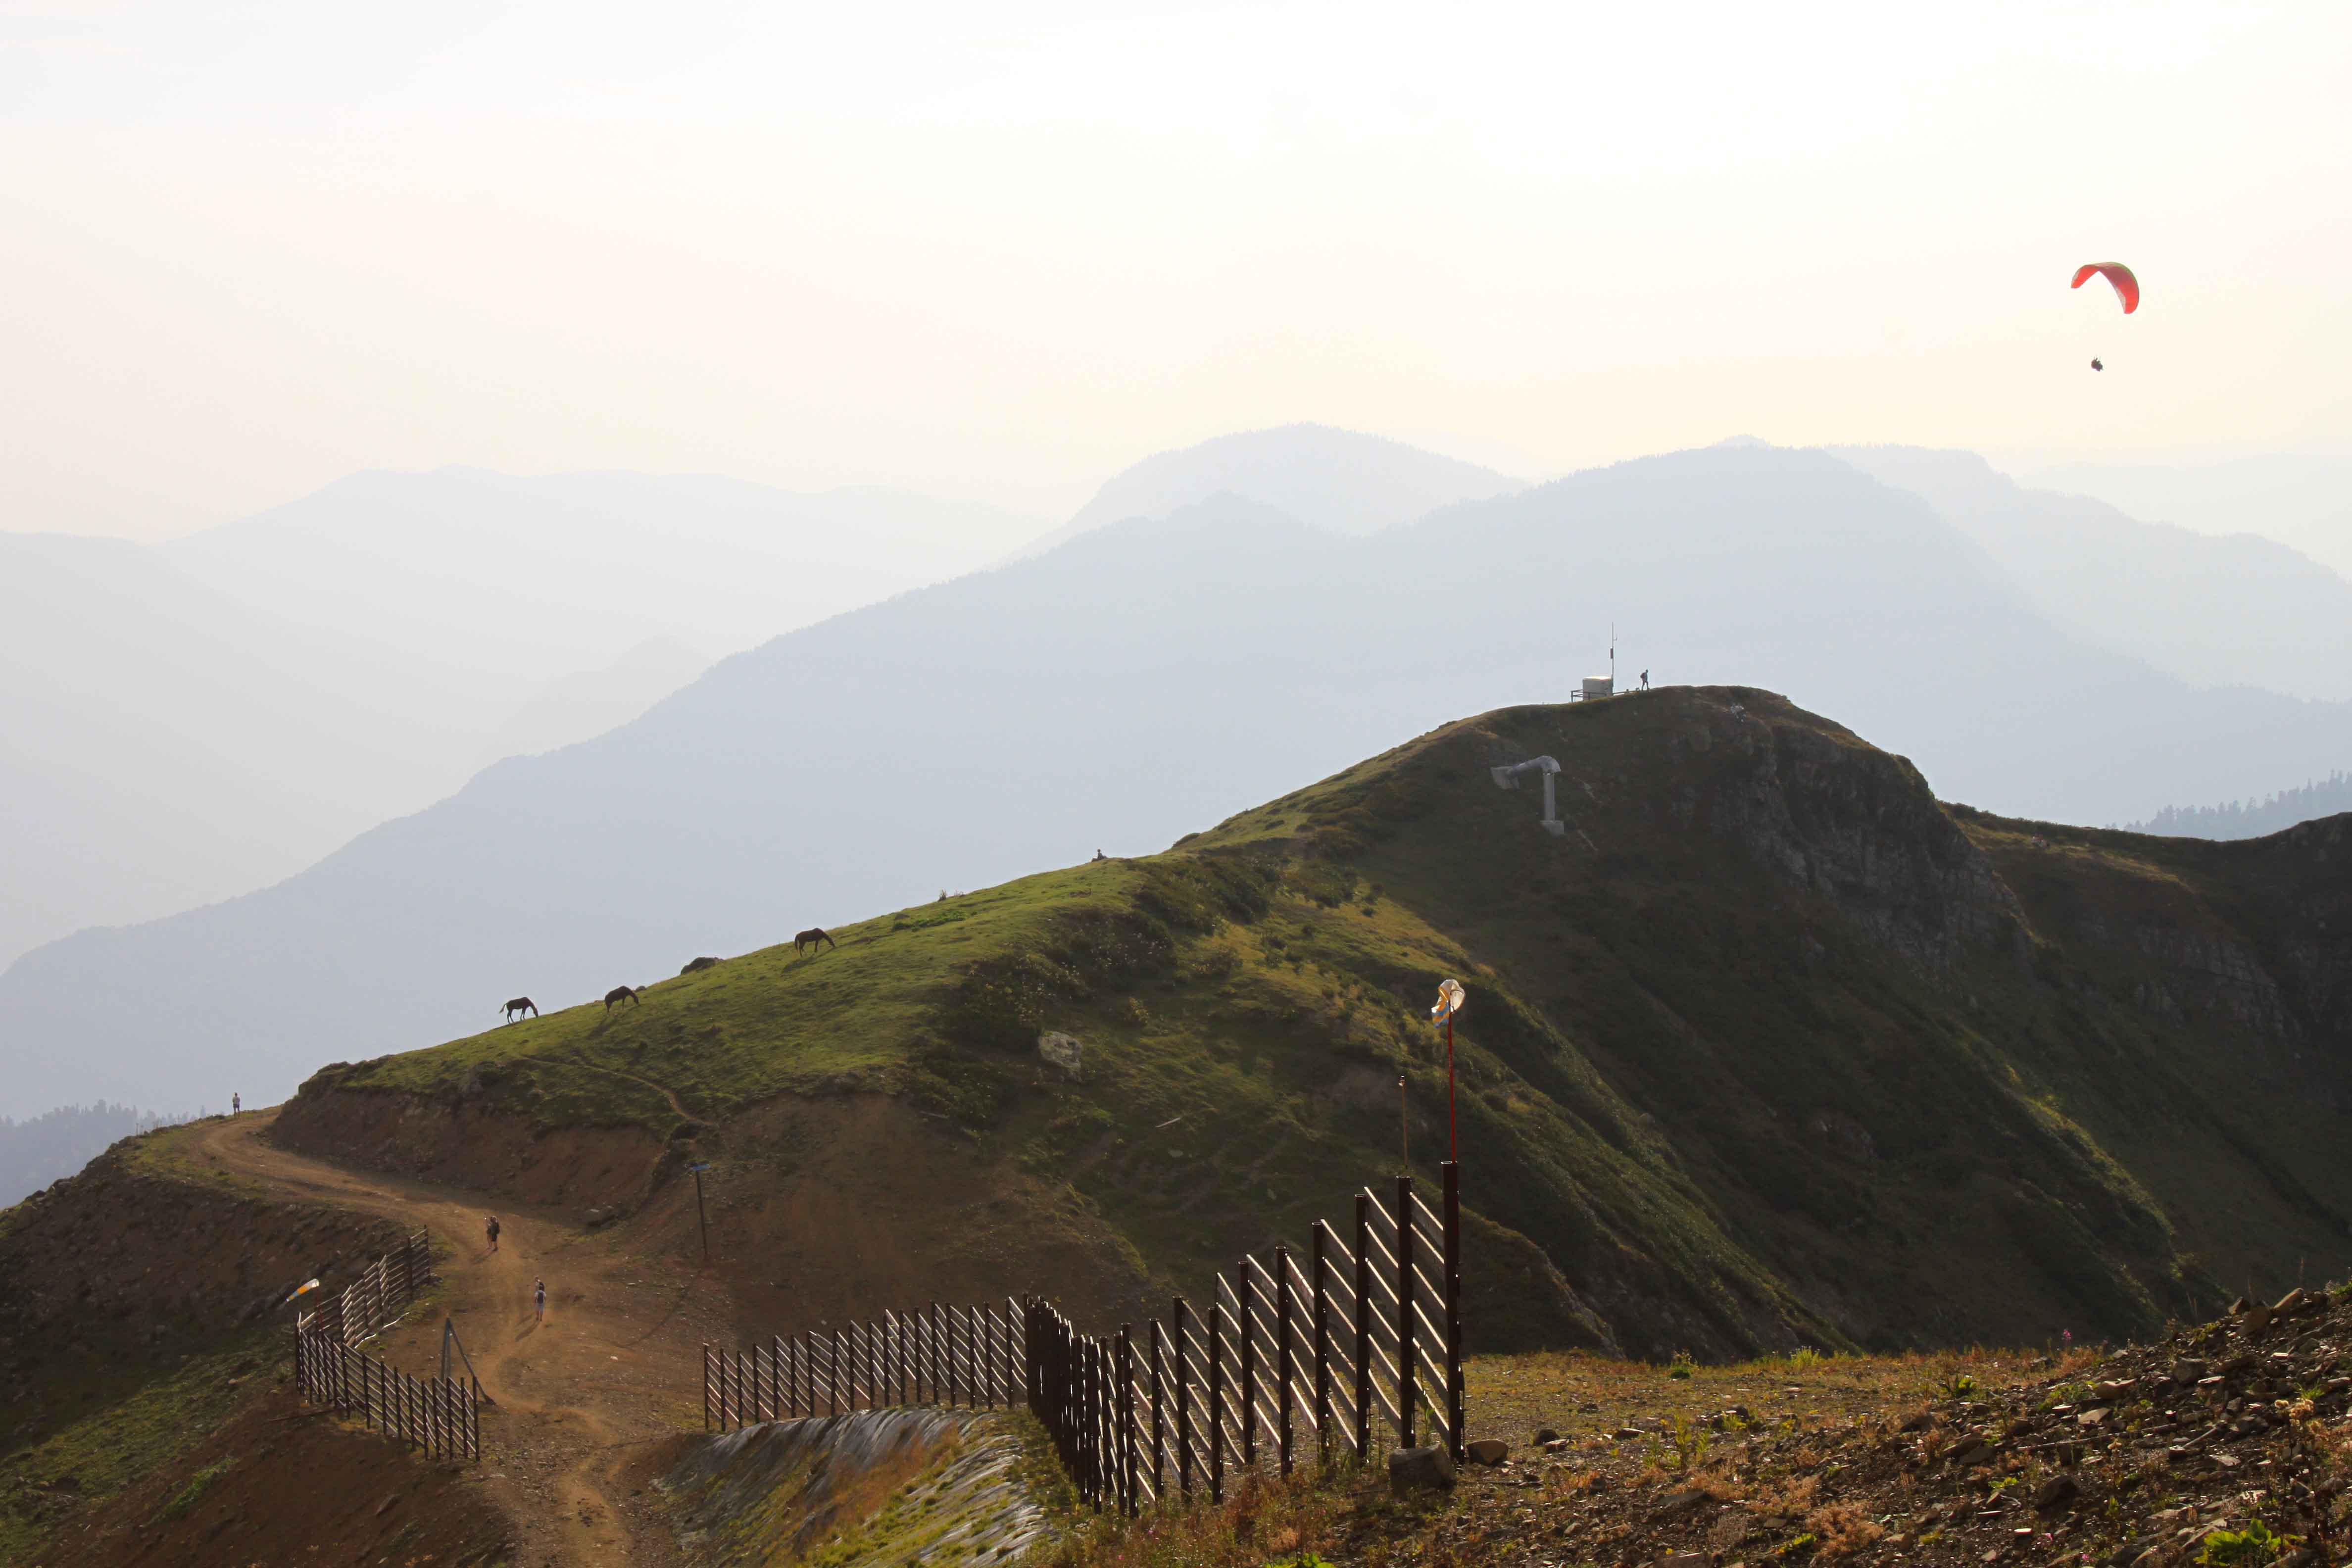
[(235, 1103), (538, 1301), (490, 1226)]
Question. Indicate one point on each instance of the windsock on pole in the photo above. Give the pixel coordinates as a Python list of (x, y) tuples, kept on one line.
[(1449, 1002)]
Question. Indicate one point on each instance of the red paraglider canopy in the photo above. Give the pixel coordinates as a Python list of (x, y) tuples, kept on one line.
[(2116, 273)]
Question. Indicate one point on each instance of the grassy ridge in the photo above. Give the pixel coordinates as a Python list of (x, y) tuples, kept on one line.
[(1768, 1049)]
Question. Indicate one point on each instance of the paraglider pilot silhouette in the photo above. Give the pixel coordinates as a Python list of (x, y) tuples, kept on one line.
[(2126, 287)]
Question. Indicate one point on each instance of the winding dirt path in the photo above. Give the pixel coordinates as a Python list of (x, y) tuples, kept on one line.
[(587, 1400)]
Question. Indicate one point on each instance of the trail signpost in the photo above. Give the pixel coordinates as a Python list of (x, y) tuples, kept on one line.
[(1449, 1002)]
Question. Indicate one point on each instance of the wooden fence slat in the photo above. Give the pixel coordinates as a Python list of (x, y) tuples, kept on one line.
[(1286, 1344)]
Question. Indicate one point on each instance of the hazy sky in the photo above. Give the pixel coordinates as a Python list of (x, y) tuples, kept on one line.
[(999, 251)]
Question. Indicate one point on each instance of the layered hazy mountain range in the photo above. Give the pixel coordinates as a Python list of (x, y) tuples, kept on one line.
[(185, 722), (295, 710)]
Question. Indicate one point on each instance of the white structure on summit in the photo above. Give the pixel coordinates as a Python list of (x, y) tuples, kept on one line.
[(1508, 778)]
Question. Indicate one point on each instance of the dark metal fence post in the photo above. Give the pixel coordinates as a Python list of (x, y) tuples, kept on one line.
[(1363, 1356), (1244, 1296), (1125, 1408), (1183, 1399), (1029, 1359), (1090, 1402), (1321, 1308), (1406, 1378), (833, 1374), (1216, 1399), (705, 1387), (1158, 1411), (1286, 1367), (1098, 1357)]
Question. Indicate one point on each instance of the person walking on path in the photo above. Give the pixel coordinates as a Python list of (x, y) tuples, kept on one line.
[(235, 1103), (490, 1228), (538, 1301)]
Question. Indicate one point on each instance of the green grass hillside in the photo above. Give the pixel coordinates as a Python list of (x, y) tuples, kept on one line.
[(1769, 1047)]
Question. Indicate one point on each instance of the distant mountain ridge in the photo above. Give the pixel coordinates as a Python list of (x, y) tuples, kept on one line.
[(545, 575), (1113, 694), (1340, 481), (2303, 501), (185, 722), (2210, 609)]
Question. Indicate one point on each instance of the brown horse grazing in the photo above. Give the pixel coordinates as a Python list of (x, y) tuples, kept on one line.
[(813, 936), (620, 994), (521, 1005)]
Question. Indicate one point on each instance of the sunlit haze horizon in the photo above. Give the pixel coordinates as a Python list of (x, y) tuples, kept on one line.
[(997, 254)]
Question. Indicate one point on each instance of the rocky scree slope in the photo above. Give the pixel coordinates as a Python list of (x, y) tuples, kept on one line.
[(2224, 1445), (2225, 1442), (1769, 1047)]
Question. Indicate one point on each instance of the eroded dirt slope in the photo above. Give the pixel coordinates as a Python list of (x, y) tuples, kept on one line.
[(588, 1402)]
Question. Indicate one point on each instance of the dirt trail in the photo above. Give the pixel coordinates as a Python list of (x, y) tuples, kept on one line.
[(584, 1399), (663, 1089)]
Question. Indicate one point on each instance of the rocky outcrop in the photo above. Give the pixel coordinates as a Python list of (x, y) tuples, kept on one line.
[(1858, 826)]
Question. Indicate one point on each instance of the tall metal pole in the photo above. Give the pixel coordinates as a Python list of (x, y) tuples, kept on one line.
[(1404, 1129), (1454, 1400), (1452, 1135), (700, 1218)]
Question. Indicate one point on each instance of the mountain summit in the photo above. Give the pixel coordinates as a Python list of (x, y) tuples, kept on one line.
[(1340, 481), (1765, 1047)]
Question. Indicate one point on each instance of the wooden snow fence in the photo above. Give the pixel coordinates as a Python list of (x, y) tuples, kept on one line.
[(374, 1301), (440, 1416), (1361, 1330)]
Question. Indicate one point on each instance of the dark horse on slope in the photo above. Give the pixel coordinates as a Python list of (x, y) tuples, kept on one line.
[(521, 1005), (813, 936), (621, 993)]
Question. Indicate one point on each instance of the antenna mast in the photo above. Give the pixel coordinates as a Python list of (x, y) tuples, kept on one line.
[(1612, 656)]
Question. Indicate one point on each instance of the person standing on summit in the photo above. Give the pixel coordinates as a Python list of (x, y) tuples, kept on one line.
[(490, 1229), (538, 1299)]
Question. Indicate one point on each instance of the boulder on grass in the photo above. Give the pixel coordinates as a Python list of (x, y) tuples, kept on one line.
[(1420, 1470), (1487, 1451)]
